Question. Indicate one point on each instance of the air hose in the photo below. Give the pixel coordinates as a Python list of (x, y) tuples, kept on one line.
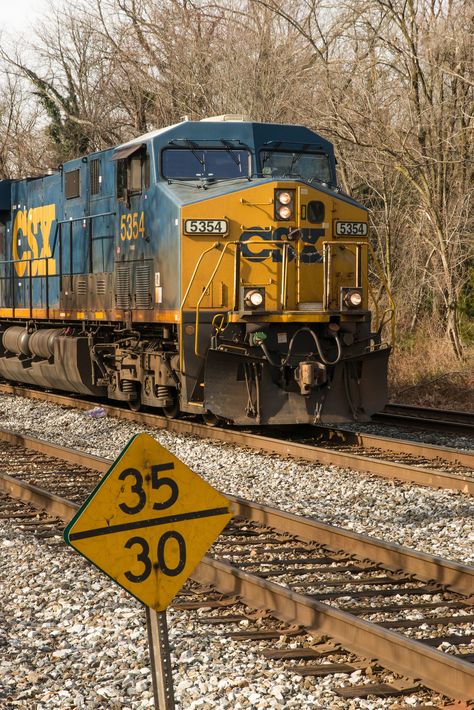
[(290, 348)]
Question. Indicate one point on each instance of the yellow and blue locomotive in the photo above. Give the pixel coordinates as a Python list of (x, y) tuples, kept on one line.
[(210, 267)]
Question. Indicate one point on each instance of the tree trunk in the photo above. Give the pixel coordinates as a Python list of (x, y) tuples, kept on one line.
[(452, 330)]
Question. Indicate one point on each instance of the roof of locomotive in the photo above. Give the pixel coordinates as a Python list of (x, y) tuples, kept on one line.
[(253, 134)]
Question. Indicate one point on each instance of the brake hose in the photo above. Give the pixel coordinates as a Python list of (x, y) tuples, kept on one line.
[(318, 347), (323, 359)]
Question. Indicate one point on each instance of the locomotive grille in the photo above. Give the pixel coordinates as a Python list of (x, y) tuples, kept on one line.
[(142, 293), (101, 288), (81, 287), (94, 169), (122, 286)]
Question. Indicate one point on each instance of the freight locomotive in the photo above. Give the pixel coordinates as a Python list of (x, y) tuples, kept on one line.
[(211, 267)]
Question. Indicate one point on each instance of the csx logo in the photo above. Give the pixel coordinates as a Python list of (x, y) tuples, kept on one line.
[(33, 226), (259, 252)]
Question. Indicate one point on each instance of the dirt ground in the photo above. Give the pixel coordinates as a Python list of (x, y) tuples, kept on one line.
[(420, 379)]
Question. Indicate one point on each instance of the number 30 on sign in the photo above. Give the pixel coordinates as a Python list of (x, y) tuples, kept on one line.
[(149, 522)]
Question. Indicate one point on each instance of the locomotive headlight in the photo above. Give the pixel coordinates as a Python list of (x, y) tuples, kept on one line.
[(254, 298), (355, 299), (284, 198), (284, 204), (284, 212), (351, 298)]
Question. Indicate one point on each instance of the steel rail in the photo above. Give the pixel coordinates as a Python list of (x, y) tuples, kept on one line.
[(398, 446), (422, 423), (448, 420), (430, 413), (456, 576), (306, 452), (442, 672)]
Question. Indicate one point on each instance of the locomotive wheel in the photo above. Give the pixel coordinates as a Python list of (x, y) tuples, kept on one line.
[(211, 419), (172, 410), (136, 404)]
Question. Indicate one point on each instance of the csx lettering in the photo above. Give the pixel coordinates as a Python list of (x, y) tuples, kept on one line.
[(257, 252), (132, 224), (34, 225)]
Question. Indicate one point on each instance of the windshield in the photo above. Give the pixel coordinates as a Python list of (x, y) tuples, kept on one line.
[(308, 166), (216, 164)]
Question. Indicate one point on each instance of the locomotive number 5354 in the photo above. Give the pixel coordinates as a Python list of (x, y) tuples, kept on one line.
[(132, 225)]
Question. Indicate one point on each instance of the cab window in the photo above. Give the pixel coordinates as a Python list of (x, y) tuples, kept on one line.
[(133, 174), (213, 164), (287, 164)]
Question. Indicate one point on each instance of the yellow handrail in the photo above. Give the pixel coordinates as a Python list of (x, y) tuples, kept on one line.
[(211, 278), (374, 301), (181, 308), (198, 305)]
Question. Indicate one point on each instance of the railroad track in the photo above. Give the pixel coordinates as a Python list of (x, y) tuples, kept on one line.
[(413, 462), (376, 600), (427, 418)]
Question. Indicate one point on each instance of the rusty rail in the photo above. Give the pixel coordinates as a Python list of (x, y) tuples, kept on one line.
[(306, 452), (442, 672), (456, 576)]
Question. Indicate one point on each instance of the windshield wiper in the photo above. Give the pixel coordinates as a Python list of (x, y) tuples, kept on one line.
[(236, 160), (322, 182), (289, 174), (188, 183), (193, 148), (230, 151), (294, 160)]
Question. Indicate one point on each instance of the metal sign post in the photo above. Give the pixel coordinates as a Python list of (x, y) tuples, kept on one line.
[(160, 659)]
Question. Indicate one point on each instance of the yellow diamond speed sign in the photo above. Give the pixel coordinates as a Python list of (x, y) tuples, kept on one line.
[(149, 522)]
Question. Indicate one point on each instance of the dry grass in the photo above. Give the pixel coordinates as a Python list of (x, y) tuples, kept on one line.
[(424, 371)]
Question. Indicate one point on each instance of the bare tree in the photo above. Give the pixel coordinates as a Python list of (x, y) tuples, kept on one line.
[(390, 82), (395, 77), (24, 149)]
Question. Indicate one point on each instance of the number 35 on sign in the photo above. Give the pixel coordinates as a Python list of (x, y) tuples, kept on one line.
[(149, 522)]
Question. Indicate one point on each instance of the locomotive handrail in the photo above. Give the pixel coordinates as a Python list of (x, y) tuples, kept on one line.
[(70, 221), (181, 308), (30, 277), (236, 285), (85, 216), (25, 261), (198, 305), (77, 219), (327, 267)]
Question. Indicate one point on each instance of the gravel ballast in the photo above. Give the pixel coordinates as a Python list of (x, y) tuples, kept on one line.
[(434, 521), (75, 640), (72, 639)]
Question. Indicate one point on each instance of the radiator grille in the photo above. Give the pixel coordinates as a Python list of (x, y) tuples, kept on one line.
[(142, 292), (81, 287), (122, 286), (101, 287), (94, 168)]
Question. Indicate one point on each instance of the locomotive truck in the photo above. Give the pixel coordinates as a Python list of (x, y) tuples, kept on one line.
[(211, 267)]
